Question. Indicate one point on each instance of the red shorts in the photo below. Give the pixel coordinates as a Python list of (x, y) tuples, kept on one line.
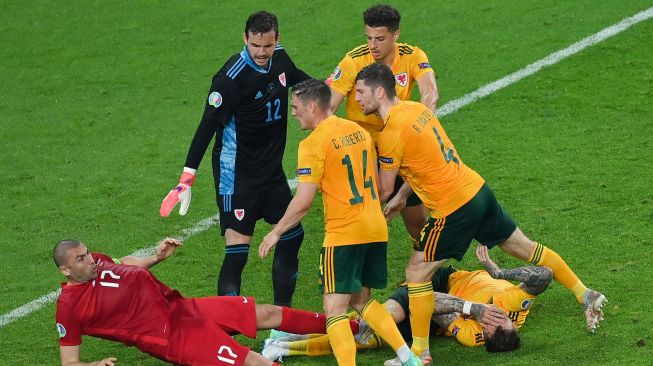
[(201, 329)]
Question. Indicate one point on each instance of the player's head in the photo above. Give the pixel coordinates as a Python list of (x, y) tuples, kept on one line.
[(381, 30), (310, 102), (374, 83), (261, 36), (74, 261), (501, 338)]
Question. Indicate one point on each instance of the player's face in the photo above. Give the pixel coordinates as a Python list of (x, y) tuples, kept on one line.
[(261, 46), (505, 324), (381, 41), (79, 266), (366, 98), (302, 112)]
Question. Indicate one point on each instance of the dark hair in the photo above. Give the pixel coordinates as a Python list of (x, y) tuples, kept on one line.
[(382, 16), (503, 340), (261, 22), (378, 74), (59, 251), (311, 90)]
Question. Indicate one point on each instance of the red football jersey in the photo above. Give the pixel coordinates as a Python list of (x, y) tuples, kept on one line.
[(124, 303)]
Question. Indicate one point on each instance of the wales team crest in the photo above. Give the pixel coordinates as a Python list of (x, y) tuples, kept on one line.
[(239, 213), (282, 78), (402, 79)]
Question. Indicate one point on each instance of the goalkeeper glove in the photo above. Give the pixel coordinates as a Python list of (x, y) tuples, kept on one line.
[(181, 193)]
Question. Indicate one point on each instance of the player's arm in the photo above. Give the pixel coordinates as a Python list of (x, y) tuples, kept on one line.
[(534, 280), (70, 357), (219, 107), (336, 99), (297, 209), (449, 304), (164, 250), (428, 90)]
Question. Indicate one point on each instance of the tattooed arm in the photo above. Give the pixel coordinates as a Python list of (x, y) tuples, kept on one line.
[(534, 280), (449, 307)]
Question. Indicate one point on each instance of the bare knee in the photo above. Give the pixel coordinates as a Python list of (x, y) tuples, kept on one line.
[(518, 245), (268, 316)]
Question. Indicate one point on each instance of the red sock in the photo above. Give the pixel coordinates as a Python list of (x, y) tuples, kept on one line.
[(302, 322), (307, 322)]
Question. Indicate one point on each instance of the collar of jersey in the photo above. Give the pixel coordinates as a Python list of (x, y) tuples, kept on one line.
[(245, 55)]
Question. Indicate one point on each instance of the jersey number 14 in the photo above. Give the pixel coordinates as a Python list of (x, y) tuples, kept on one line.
[(367, 181)]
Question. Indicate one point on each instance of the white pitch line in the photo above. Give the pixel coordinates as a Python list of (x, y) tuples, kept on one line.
[(551, 59), (447, 109)]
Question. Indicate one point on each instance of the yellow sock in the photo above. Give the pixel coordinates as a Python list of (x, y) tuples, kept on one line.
[(543, 256), (421, 304), (319, 346), (380, 320), (342, 340)]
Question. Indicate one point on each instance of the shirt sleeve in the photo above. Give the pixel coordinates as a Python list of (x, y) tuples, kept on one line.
[(296, 75), (310, 162), (344, 75), (219, 108), (420, 64), (68, 327), (514, 299), (466, 331), (390, 149)]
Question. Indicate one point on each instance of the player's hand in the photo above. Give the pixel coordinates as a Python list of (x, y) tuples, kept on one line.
[(488, 315), (393, 207), (181, 193), (483, 256), (166, 247), (109, 361), (269, 241)]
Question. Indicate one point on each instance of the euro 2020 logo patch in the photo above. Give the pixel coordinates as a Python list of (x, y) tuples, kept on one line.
[(215, 99), (61, 329)]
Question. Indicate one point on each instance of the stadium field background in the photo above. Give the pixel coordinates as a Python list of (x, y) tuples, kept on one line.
[(100, 101)]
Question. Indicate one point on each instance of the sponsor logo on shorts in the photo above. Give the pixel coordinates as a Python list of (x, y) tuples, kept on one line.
[(304, 171), (282, 78), (61, 329), (385, 160), (424, 65), (244, 300), (239, 213), (402, 79), (215, 99), (526, 304), (337, 73)]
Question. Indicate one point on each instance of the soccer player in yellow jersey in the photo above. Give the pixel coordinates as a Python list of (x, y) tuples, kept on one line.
[(410, 67), (337, 158), (462, 206), (460, 310)]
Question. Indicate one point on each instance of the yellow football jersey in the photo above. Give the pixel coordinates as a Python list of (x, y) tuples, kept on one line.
[(480, 287), (409, 64), (414, 141), (339, 156)]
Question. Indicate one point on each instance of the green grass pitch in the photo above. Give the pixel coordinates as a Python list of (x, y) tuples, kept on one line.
[(100, 101)]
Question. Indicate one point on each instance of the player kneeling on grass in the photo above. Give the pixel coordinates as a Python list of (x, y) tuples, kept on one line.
[(459, 310), (120, 300)]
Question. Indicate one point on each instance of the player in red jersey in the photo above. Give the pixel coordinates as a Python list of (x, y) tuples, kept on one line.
[(120, 300)]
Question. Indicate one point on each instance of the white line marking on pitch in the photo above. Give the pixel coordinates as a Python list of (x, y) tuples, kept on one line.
[(447, 109)]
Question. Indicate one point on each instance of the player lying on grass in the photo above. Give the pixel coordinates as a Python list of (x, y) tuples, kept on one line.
[(120, 300), (459, 310)]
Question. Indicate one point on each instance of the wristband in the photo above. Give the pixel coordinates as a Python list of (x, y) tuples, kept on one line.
[(467, 307)]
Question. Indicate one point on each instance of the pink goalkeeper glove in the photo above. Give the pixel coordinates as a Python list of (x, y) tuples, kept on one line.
[(181, 193)]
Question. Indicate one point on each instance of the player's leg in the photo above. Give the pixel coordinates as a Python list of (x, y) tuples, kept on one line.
[(289, 320), (237, 220), (338, 330), (499, 229), (286, 255), (339, 277)]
